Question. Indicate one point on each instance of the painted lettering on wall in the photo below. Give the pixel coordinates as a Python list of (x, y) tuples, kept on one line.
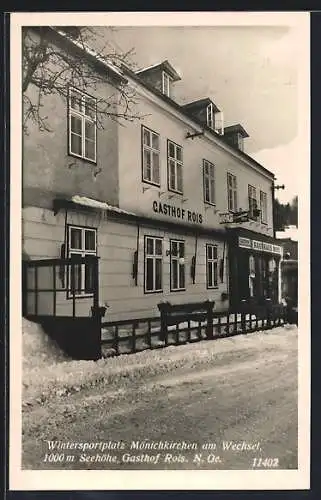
[(177, 212)]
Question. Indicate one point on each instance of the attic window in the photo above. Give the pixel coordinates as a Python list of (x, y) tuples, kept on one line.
[(210, 116), (166, 84)]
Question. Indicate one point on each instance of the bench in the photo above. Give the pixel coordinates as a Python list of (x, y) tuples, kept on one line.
[(173, 314)]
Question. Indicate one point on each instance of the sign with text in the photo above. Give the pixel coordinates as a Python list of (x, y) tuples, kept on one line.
[(259, 246), (177, 212), (230, 217)]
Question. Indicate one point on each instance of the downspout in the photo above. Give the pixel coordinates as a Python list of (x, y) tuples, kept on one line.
[(193, 267), (135, 262)]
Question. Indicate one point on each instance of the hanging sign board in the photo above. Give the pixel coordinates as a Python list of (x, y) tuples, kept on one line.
[(259, 246), (233, 218)]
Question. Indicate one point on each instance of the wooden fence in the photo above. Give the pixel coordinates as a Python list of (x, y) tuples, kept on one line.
[(131, 336)]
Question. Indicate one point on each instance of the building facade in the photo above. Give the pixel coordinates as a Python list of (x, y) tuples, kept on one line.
[(171, 204)]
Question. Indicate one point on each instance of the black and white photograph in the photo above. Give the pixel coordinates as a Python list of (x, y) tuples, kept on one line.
[(159, 326)]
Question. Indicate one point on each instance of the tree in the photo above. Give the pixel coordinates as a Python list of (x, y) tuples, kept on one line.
[(285, 214), (55, 58)]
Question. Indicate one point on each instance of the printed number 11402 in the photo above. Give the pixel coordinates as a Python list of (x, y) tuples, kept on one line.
[(265, 462)]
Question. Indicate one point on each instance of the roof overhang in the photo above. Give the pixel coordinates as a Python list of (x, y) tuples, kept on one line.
[(163, 66)]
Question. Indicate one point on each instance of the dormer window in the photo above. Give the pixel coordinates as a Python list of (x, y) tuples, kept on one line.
[(210, 116), (166, 84)]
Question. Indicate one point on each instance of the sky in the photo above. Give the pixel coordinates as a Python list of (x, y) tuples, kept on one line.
[(250, 72)]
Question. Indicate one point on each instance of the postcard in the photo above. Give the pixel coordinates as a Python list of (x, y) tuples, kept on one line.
[(159, 321)]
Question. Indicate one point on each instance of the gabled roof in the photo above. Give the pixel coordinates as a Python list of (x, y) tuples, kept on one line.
[(163, 66), (199, 104), (236, 128)]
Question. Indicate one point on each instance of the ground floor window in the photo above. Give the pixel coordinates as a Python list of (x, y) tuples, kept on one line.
[(177, 270), (82, 242), (153, 264), (211, 266)]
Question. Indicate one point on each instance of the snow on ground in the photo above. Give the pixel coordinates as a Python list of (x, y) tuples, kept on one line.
[(48, 373), (38, 349)]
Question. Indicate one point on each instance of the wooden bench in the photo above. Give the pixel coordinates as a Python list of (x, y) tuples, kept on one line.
[(173, 314)]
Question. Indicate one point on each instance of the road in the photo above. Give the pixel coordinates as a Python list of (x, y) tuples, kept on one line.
[(246, 401)]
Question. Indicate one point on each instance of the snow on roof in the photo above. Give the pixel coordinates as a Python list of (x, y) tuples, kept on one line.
[(90, 202), (290, 232), (166, 66), (106, 62), (148, 67)]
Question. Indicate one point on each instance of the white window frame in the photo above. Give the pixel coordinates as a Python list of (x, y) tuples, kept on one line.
[(210, 116), (154, 257), (212, 262), (152, 151), (175, 261), (81, 115), (231, 192), (252, 200), (177, 164), (263, 206), (166, 84), (82, 252), (210, 178)]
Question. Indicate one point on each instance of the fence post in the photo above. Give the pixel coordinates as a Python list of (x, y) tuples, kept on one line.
[(163, 308), (97, 312), (243, 322), (24, 287), (209, 327)]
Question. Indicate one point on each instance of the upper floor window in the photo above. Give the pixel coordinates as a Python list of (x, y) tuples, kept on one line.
[(166, 84), (82, 242), (150, 156), (211, 266), (82, 116), (209, 182), (263, 207), (177, 269), (153, 264), (252, 202), (231, 192), (210, 116), (175, 167)]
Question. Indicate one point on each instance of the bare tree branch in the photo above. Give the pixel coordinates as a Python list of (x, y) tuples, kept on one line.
[(50, 69)]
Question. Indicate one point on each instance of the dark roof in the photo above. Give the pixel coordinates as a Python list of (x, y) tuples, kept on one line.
[(164, 66), (200, 104), (236, 128)]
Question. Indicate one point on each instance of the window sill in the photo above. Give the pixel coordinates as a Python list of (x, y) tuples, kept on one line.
[(210, 204), (80, 296), (151, 292), (151, 183), (178, 290), (211, 287), (83, 158), (176, 192)]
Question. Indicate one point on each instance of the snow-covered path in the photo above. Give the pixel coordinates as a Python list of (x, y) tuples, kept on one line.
[(243, 392)]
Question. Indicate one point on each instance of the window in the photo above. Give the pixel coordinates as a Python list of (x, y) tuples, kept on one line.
[(175, 167), (150, 144), (209, 182), (82, 242), (210, 116), (263, 206), (153, 264), (82, 125), (166, 84), (231, 192), (177, 249), (211, 266), (252, 202)]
